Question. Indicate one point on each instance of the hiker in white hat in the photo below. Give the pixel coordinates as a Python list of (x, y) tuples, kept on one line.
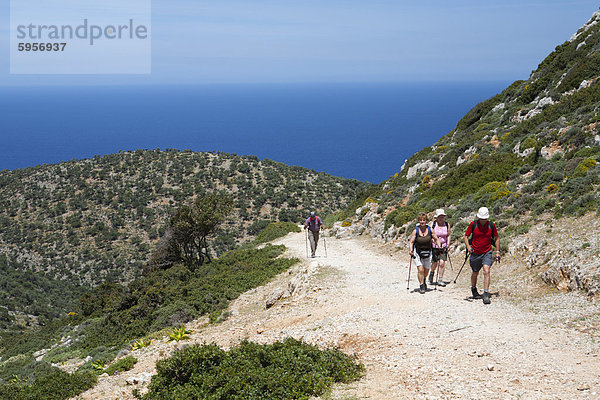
[(479, 246), (440, 254)]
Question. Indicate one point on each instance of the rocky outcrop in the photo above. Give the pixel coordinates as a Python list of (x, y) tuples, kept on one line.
[(563, 255), (422, 167)]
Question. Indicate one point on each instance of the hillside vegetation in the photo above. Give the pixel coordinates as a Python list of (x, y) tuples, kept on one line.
[(114, 317), (65, 357), (529, 154), (79, 223)]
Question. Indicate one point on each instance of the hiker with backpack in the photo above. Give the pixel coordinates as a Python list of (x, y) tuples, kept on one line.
[(440, 254), (420, 248), (314, 225), (479, 246)]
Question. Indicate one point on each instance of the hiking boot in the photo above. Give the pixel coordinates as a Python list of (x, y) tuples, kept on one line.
[(441, 283), (475, 293), (422, 288), (486, 298), (431, 278)]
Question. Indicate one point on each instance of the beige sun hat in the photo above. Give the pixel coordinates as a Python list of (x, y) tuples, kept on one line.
[(483, 213), (439, 211)]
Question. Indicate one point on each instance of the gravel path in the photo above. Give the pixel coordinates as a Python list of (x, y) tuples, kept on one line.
[(439, 345)]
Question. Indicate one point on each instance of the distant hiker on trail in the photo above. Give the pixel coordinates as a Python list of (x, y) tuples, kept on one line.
[(314, 225), (440, 254), (480, 248), (421, 250)]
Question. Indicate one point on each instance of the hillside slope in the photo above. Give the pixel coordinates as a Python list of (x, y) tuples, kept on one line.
[(80, 223), (438, 345), (530, 154)]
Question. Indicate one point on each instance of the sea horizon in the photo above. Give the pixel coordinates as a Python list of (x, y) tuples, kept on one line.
[(362, 131)]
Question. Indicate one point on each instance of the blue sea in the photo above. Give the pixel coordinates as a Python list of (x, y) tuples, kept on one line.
[(361, 131)]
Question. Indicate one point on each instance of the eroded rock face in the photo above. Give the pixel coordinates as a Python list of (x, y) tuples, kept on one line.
[(564, 253), (569, 272), (549, 151)]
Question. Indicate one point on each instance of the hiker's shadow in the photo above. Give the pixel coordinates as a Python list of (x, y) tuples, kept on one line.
[(470, 299), (416, 290)]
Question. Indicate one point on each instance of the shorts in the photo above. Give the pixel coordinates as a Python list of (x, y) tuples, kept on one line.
[(438, 255), (479, 260), (424, 262)]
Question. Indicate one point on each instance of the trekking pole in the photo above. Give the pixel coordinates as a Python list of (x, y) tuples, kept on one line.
[(459, 271), (408, 280), (449, 259), (325, 244), (437, 279), (306, 241)]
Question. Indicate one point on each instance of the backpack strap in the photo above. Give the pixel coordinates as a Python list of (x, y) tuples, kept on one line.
[(417, 230), (490, 227), (473, 226)]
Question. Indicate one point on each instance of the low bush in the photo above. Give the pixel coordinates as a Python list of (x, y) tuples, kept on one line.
[(400, 216), (124, 364), (468, 178), (202, 290), (284, 370), (56, 385), (584, 166), (276, 230)]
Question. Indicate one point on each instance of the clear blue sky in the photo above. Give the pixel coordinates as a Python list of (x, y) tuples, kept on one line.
[(340, 41)]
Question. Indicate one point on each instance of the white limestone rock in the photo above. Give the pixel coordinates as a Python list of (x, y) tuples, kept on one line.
[(140, 379), (498, 107), (424, 166)]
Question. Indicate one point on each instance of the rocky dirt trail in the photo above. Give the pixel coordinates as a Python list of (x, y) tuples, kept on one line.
[(437, 345)]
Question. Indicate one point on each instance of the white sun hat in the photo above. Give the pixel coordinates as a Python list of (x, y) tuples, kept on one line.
[(483, 213), (439, 211)]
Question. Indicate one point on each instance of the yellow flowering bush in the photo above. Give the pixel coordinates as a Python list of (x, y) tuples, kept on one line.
[(584, 166)]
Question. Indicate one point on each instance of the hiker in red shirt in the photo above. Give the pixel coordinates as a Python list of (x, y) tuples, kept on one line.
[(480, 248), (314, 225)]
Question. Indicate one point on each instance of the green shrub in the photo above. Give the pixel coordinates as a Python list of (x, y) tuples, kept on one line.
[(584, 166), (258, 226), (56, 385), (528, 143), (359, 201), (496, 190), (477, 112), (284, 370), (468, 178), (400, 216), (586, 68), (177, 293), (276, 230), (124, 364)]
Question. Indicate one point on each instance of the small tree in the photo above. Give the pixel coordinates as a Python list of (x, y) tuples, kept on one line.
[(185, 239)]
